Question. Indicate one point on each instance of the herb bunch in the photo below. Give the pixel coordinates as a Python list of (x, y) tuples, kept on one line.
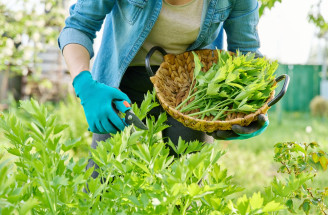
[(235, 84)]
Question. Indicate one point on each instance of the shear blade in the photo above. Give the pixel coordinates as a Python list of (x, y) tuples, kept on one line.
[(131, 118)]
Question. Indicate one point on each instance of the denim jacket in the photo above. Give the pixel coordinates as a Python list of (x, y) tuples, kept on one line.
[(128, 23)]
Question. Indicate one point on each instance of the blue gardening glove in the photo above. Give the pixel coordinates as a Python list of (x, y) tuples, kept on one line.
[(243, 132), (97, 101)]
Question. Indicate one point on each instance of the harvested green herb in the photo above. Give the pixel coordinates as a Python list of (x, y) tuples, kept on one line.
[(235, 84)]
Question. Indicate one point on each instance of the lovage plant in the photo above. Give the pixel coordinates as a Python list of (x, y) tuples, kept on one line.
[(137, 172)]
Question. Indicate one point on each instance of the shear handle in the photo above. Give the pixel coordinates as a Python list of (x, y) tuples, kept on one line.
[(122, 105)]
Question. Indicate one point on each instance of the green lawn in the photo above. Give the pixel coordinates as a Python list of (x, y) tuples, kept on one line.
[(251, 161)]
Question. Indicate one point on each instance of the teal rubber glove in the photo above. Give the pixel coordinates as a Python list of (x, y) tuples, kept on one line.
[(243, 132), (97, 101)]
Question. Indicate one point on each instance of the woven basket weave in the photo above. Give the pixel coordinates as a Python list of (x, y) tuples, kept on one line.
[(172, 83)]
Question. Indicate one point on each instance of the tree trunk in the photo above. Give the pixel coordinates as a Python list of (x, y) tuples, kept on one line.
[(4, 85)]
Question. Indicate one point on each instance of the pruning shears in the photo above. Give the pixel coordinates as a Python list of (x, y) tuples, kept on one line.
[(130, 118)]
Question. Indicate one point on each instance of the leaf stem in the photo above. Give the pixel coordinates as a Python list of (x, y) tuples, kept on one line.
[(207, 106), (47, 194), (189, 97), (220, 113), (192, 105)]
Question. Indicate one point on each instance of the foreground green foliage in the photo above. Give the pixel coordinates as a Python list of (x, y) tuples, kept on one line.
[(139, 174), (301, 162)]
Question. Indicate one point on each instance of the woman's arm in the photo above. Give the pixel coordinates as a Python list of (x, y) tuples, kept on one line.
[(77, 59), (86, 18), (241, 27)]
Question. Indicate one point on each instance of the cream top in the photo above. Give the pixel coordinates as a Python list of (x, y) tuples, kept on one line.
[(175, 29)]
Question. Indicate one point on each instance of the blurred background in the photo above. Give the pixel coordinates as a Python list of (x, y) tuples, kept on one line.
[(294, 32)]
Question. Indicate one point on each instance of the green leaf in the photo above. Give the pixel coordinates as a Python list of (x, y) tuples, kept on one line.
[(134, 137), (80, 165), (118, 165), (272, 207), (134, 200), (213, 89), (147, 104), (324, 163), (171, 144), (246, 108), (38, 165), (60, 167), (156, 149), (236, 85), (243, 102), (243, 205), (193, 189), (60, 128), (141, 166), (28, 205), (210, 74), (89, 172), (144, 199), (59, 180), (14, 151), (69, 144), (159, 163), (220, 75), (306, 206), (93, 184), (231, 76), (242, 95), (160, 124), (298, 148), (79, 179), (96, 157), (290, 204), (224, 94), (143, 152), (182, 145), (168, 162), (315, 157), (197, 64), (194, 146), (256, 201)]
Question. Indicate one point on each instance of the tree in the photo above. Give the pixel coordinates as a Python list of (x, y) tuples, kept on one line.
[(267, 4), (314, 16), (26, 26)]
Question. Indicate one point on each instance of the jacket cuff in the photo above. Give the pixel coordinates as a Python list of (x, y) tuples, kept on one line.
[(74, 36)]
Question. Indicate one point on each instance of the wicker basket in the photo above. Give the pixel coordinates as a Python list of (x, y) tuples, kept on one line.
[(172, 83)]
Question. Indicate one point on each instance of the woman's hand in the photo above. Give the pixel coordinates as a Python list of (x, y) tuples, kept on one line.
[(238, 132), (97, 101)]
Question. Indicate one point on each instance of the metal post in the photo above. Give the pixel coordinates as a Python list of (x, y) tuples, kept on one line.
[(324, 81)]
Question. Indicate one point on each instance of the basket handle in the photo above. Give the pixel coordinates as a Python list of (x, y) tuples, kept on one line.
[(148, 56), (283, 90)]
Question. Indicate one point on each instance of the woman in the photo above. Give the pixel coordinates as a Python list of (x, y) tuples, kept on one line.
[(131, 28)]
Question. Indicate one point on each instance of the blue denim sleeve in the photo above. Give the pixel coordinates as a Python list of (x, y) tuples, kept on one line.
[(241, 27), (86, 18)]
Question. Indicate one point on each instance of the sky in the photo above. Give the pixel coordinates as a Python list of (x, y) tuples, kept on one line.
[(286, 34)]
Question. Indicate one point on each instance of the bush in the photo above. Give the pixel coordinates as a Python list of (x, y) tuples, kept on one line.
[(319, 106), (141, 177)]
